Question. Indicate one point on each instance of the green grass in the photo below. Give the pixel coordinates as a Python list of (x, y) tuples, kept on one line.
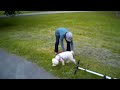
[(96, 38)]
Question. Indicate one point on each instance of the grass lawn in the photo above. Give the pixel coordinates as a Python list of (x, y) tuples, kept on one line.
[(96, 37)]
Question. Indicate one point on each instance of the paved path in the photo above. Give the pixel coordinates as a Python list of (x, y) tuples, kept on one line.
[(15, 67), (46, 12)]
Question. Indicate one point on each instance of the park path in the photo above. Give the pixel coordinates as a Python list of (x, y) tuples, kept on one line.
[(15, 67)]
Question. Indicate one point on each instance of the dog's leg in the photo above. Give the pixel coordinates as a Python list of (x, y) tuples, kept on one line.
[(67, 61), (73, 60), (53, 65), (63, 63)]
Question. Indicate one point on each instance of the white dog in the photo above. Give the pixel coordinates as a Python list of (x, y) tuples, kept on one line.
[(62, 57)]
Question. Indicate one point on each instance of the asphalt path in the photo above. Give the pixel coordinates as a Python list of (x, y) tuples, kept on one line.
[(15, 67)]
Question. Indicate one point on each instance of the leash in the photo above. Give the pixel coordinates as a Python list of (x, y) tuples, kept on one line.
[(60, 57)]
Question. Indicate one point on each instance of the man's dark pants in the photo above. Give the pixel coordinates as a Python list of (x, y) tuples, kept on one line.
[(57, 43)]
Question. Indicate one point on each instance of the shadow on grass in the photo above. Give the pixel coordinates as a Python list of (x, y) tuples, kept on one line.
[(6, 25)]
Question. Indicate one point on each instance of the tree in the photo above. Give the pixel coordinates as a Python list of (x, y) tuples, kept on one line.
[(12, 13)]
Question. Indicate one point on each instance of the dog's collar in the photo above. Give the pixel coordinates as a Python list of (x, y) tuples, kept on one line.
[(60, 58)]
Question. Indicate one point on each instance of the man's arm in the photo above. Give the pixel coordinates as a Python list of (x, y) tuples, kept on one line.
[(62, 44)]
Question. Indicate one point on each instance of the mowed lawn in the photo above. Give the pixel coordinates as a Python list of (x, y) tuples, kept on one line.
[(96, 38)]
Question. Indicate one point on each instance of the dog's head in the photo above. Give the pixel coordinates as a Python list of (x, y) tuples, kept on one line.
[(55, 62)]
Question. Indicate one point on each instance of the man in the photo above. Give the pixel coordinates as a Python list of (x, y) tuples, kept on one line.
[(63, 33)]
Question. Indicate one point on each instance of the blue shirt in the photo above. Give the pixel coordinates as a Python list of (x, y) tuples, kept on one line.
[(61, 33)]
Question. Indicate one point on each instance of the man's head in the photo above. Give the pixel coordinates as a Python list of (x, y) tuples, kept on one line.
[(69, 36)]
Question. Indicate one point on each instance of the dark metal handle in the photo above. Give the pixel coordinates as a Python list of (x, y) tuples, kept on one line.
[(76, 67)]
